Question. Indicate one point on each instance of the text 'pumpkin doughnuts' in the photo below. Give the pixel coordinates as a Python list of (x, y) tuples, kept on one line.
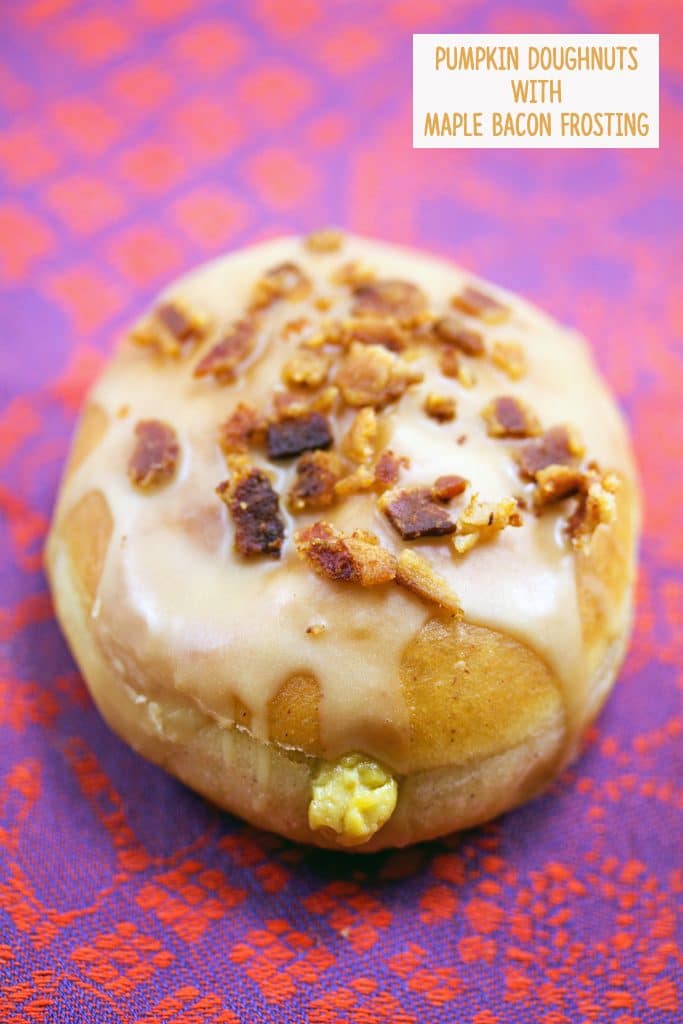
[(343, 550)]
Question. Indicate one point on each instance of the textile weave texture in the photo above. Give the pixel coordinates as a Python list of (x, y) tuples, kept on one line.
[(137, 139)]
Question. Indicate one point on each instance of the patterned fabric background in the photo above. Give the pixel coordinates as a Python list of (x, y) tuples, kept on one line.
[(137, 139)]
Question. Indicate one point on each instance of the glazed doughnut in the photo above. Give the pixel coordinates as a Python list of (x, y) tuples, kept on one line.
[(346, 541)]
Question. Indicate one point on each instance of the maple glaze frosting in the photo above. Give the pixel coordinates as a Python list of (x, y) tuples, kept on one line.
[(174, 592)]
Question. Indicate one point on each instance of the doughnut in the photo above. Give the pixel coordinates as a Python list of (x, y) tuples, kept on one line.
[(346, 541)]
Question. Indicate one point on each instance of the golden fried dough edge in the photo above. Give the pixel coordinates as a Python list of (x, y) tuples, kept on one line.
[(605, 579)]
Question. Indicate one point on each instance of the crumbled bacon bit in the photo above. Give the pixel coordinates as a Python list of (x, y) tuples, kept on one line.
[(292, 435), (359, 441), (382, 476), (300, 403), (477, 303), (559, 445), (239, 464), (451, 365), (297, 326), (596, 506), (362, 479), (345, 558), (221, 361), (244, 427), (371, 375), (555, 482), (453, 332), (255, 511), (509, 357), (414, 513), (324, 241), (481, 520), (416, 574), (462, 439), (359, 558), (388, 468), (508, 416), (176, 320), (328, 332), (307, 367), (155, 455), (373, 330), (172, 329), (440, 407), (324, 400), (352, 274), (316, 475), (445, 488), (285, 281), (401, 299)]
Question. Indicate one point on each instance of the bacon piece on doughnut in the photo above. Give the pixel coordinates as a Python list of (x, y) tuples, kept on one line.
[(383, 475), (295, 327), (154, 459), (221, 361), (359, 441), (414, 513), (255, 511), (451, 330), (509, 357), (451, 365), (555, 482), (474, 302), (596, 505), (441, 408), (353, 274), (179, 322), (400, 299), (361, 479), (300, 402), (445, 488), (244, 427), (375, 330), (171, 329), (346, 558), (316, 475), (508, 416), (285, 281), (371, 375), (307, 368), (324, 241), (293, 435), (388, 469), (481, 520), (559, 446)]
